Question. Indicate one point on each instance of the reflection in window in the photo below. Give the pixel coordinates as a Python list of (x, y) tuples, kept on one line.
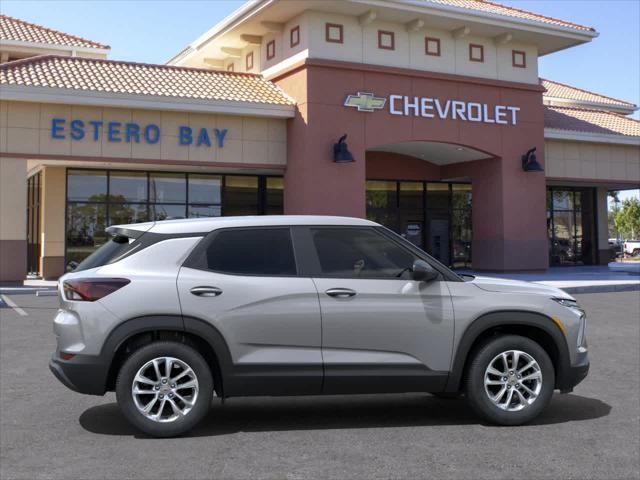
[(167, 212), (86, 185), (201, 211), (125, 213), (86, 223), (570, 225), (128, 186), (205, 189), (167, 188), (275, 196)]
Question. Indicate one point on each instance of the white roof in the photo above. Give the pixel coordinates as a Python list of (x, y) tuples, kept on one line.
[(199, 225)]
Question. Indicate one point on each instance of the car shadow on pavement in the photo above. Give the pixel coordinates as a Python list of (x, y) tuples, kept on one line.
[(262, 414)]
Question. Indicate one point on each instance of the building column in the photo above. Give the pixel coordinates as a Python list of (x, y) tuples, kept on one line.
[(602, 229), (52, 219), (13, 219)]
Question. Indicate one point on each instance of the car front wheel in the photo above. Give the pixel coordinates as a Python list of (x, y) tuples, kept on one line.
[(510, 380), (164, 388)]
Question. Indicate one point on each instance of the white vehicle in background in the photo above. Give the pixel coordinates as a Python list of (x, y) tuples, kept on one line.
[(632, 247)]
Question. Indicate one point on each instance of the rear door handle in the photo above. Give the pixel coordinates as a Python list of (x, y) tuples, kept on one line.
[(206, 291), (340, 292)]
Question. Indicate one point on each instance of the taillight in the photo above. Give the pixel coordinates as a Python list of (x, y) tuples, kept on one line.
[(92, 289)]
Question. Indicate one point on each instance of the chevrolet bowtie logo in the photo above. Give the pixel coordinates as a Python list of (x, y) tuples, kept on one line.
[(365, 102)]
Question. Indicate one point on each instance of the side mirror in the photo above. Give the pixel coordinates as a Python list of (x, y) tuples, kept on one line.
[(423, 272), (71, 266)]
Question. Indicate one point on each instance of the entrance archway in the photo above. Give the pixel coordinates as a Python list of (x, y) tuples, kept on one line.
[(410, 189)]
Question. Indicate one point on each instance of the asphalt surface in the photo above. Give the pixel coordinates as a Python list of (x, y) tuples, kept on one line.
[(47, 431)]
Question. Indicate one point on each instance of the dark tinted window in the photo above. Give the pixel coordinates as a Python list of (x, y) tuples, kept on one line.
[(360, 253), (260, 251), (108, 252)]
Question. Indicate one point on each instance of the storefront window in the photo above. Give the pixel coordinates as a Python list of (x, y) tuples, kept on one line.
[(99, 198), (461, 226), (570, 225), (240, 195)]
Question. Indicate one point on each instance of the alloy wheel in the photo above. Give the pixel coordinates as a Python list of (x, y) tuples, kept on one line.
[(513, 380)]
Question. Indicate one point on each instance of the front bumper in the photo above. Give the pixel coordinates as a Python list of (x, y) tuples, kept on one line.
[(572, 376), (83, 373)]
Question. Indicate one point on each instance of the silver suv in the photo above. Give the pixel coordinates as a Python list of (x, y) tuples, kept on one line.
[(167, 313)]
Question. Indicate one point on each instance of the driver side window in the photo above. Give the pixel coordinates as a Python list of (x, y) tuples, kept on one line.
[(354, 252)]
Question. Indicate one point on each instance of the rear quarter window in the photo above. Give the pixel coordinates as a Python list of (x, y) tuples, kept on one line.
[(112, 250)]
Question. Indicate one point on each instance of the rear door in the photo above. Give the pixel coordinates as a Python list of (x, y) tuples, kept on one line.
[(381, 330), (244, 282)]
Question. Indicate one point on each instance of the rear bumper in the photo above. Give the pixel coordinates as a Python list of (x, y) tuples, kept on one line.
[(82, 374)]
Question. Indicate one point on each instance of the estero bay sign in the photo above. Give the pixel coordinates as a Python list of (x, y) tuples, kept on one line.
[(131, 132), (428, 107)]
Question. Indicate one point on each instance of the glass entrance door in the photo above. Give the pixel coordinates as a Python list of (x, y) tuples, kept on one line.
[(34, 194), (434, 216), (570, 225)]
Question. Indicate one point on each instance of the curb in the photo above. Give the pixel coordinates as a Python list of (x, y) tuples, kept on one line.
[(603, 288)]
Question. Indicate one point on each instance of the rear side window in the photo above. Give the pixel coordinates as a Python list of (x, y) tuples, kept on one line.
[(107, 253), (258, 251)]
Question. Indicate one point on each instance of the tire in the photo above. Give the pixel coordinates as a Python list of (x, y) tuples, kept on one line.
[(196, 384), (538, 379)]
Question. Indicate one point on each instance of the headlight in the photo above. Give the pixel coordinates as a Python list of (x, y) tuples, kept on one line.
[(569, 303)]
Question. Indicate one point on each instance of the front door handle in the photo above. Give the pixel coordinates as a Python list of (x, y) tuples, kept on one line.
[(340, 292), (206, 291)]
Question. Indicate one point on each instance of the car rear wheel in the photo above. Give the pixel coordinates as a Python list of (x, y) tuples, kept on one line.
[(164, 388), (510, 380)]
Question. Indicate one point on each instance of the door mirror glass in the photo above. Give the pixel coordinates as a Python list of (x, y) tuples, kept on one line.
[(423, 272)]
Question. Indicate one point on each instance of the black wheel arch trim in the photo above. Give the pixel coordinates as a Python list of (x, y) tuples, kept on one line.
[(150, 323), (508, 318)]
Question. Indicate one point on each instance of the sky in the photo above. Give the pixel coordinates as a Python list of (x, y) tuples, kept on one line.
[(153, 31)]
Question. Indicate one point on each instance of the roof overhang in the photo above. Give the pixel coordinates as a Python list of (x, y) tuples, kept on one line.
[(69, 96), (576, 136), (566, 102), (250, 18), (19, 44)]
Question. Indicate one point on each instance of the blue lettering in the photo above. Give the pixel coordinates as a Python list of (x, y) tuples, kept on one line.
[(220, 134), (203, 137), (77, 129), (152, 133), (186, 137), (113, 130), (97, 125), (133, 131), (57, 128)]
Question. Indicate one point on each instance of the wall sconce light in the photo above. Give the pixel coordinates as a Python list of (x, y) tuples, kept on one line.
[(341, 153), (530, 163)]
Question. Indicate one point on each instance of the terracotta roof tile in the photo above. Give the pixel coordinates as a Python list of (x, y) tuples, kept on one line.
[(498, 9), (19, 30), (560, 90), (140, 79), (590, 121)]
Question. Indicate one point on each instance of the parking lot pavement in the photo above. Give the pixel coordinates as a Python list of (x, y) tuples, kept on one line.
[(47, 431)]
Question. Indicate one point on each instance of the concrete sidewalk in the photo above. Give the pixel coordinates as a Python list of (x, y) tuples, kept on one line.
[(587, 279)]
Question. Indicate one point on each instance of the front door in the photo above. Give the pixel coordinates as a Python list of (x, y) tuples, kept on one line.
[(244, 283), (381, 330)]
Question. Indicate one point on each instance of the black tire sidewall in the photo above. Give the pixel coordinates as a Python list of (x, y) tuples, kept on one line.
[(475, 389), (164, 349)]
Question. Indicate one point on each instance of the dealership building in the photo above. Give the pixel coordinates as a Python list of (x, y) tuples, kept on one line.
[(427, 116)]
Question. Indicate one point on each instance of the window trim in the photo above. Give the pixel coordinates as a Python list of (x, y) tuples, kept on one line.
[(391, 35), (438, 52), (249, 61), (515, 64), (328, 27), (471, 58), (271, 45), (295, 30), (194, 260)]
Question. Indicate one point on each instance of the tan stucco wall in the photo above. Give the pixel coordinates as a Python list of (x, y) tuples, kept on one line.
[(13, 199), (52, 211), (592, 161), (25, 128)]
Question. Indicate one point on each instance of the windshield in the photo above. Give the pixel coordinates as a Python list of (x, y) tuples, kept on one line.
[(108, 252)]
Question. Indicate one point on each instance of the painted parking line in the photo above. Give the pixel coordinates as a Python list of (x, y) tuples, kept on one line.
[(15, 307)]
